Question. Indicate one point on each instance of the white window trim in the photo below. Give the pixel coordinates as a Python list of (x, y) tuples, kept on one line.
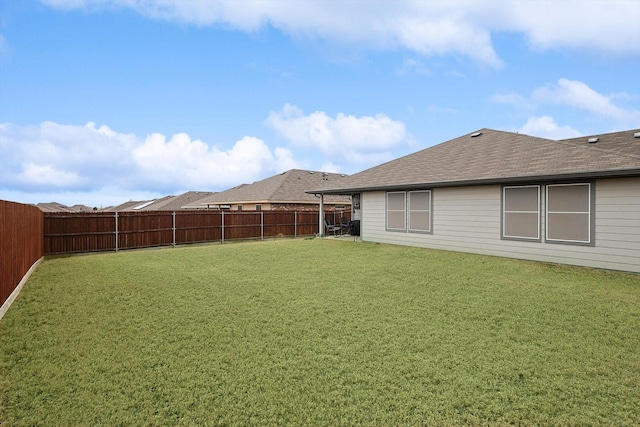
[(504, 212), (409, 210), (387, 210), (589, 214)]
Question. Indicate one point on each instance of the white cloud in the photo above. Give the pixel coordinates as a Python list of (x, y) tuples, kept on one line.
[(330, 167), (597, 24), (49, 176), (426, 27), (571, 93), (69, 159), (546, 127), (579, 95), (54, 155), (194, 164), (357, 139), (434, 33)]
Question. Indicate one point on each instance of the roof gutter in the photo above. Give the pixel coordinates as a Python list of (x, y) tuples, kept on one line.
[(625, 173)]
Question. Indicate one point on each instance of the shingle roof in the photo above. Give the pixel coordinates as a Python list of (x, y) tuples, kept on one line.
[(171, 203), (54, 207), (185, 199), (621, 142), (497, 156), (287, 187), (126, 206), (82, 208)]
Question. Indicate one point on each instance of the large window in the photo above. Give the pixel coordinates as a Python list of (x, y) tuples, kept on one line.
[(420, 211), (569, 213), (396, 213), (521, 212), (409, 211)]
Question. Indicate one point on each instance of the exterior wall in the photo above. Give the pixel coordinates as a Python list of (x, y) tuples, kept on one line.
[(468, 219), (251, 206)]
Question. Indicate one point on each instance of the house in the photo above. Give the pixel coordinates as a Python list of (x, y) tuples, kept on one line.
[(59, 207), (166, 203), (176, 203), (285, 191), (83, 208), (131, 205), (573, 201)]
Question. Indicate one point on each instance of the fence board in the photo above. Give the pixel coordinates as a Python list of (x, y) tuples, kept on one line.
[(198, 227), (144, 229), (21, 243), (89, 232), (79, 232), (280, 223)]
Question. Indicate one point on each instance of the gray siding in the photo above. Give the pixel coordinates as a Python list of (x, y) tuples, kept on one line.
[(468, 219)]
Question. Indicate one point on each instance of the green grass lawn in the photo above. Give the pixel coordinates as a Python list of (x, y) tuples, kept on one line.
[(319, 332)]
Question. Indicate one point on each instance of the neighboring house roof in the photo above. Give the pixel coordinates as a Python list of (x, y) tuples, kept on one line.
[(54, 207), (493, 156), (82, 208), (174, 203), (287, 187), (127, 206), (152, 204), (166, 203), (59, 207)]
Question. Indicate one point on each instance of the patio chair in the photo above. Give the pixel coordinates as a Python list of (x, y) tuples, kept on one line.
[(330, 228), (344, 224)]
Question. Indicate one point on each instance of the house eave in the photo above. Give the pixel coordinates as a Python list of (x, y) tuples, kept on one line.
[(623, 173)]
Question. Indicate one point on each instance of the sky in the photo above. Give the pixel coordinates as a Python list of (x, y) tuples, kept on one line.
[(105, 101)]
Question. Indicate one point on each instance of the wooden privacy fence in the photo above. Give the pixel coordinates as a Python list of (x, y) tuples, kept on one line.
[(21, 230), (106, 231)]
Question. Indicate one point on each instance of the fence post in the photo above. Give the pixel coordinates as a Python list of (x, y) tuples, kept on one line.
[(222, 226), (174, 228), (295, 223), (321, 217), (116, 216), (261, 225)]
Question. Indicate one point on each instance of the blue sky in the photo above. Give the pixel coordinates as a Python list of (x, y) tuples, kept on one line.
[(103, 101)]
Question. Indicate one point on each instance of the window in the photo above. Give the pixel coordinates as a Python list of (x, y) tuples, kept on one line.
[(420, 211), (569, 208), (396, 213), (258, 207), (409, 211), (239, 207), (521, 212)]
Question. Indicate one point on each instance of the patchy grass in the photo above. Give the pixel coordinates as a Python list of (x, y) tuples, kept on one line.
[(319, 332)]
